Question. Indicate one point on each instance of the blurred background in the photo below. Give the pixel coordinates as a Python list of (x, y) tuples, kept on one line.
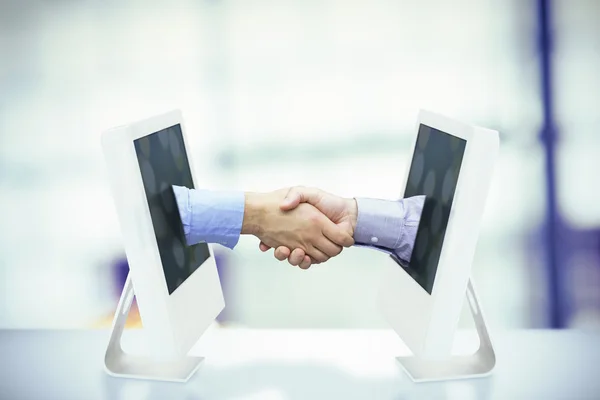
[(278, 93)]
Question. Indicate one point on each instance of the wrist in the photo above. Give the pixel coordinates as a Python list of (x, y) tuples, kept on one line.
[(253, 213), (352, 208)]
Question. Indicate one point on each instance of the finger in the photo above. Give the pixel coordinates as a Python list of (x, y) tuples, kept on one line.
[(291, 201), (263, 247), (328, 247), (282, 253), (305, 264), (297, 257), (337, 235), (318, 255), (300, 194)]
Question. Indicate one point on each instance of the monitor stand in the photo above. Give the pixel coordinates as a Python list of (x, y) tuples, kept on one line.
[(123, 365), (479, 364)]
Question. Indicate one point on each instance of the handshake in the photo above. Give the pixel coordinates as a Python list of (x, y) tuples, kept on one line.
[(304, 225)]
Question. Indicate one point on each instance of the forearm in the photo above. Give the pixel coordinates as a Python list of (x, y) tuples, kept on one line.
[(390, 225), (379, 222), (210, 216), (221, 216)]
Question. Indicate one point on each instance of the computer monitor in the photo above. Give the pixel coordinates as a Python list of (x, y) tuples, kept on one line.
[(452, 165), (177, 287)]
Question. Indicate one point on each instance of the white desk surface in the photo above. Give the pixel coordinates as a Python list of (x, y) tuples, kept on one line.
[(301, 364)]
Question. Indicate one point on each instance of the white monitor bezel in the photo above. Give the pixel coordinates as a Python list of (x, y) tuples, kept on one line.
[(426, 322), (174, 322)]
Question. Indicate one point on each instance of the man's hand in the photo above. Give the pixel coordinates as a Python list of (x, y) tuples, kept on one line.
[(297, 226), (342, 212)]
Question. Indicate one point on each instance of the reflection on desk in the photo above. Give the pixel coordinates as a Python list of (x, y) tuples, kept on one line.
[(283, 364)]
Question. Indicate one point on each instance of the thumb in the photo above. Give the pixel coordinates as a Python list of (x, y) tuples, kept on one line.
[(337, 234), (291, 201), (300, 194)]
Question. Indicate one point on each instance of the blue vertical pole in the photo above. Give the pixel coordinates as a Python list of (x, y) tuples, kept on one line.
[(548, 136)]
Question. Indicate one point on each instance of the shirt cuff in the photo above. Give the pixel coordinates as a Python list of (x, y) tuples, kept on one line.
[(389, 224), (210, 216), (379, 222)]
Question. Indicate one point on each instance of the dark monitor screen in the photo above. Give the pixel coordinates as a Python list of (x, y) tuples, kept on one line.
[(163, 162), (434, 172)]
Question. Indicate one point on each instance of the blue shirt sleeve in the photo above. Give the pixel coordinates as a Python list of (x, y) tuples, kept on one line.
[(210, 216), (389, 226)]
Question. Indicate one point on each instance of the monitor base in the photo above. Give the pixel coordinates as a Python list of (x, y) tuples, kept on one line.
[(476, 365), (120, 364)]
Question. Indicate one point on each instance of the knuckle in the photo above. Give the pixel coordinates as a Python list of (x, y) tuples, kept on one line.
[(280, 254), (306, 262), (314, 218), (337, 250), (322, 257), (293, 260)]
